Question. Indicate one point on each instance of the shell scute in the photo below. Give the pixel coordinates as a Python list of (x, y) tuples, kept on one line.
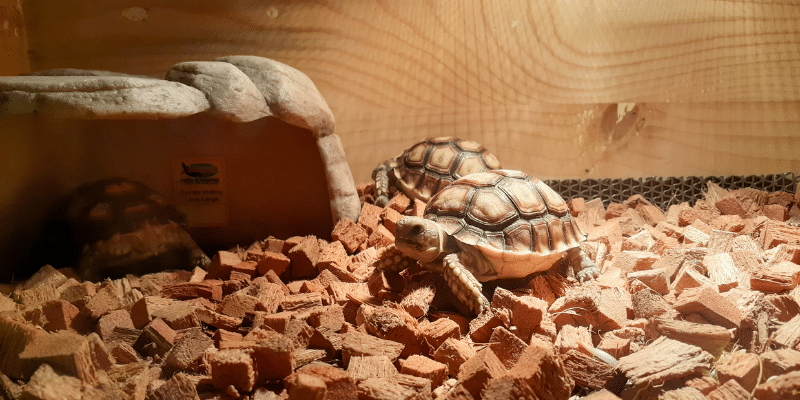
[(469, 145), (519, 236), (442, 159), (429, 166), (469, 165), (415, 156), (453, 202), (555, 203), (527, 200), (490, 208), (508, 211)]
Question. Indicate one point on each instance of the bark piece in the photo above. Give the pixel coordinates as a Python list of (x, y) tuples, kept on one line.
[(480, 328), (59, 315), (188, 349), (156, 338), (365, 367), (440, 330), (142, 311), (47, 384), (779, 362), (237, 305), (710, 338), (296, 302), (304, 257), (476, 373), (744, 368), (454, 353), (305, 386), (339, 384), (217, 320), (67, 352), (180, 386), (776, 278), (418, 297), (272, 356), (271, 261), (663, 360), (509, 388), (586, 370), (730, 390), (424, 367), (775, 233), (209, 289), (711, 305), (350, 234), (544, 371), (655, 279), (722, 270), (117, 318), (788, 335), (397, 325), (782, 387), (507, 346), (360, 344), (178, 315), (630, 261), (222, 264), (590, 306), (687, 393), (398, 386), (232, 367)]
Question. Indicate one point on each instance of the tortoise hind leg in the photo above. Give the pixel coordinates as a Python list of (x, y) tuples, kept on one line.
[(584, 268), (463, 284), (381, 177)]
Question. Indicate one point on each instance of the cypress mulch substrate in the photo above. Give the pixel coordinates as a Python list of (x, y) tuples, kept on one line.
[(698, 302)]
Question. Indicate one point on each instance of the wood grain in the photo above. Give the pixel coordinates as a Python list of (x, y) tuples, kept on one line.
[(537, 81), (423, 53), (13, 42), (586, 141)]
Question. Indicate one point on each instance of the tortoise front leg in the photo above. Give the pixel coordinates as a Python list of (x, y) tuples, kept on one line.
[(391, 259), (584, 268), (463, 284)]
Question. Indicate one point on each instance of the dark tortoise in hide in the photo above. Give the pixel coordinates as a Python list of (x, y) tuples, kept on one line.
[(491, 225), (116, 226)]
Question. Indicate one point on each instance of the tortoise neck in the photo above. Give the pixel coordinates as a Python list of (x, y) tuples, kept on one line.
[(447, 244)]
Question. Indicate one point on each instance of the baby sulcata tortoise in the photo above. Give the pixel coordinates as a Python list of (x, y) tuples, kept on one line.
[(116, 226), (429, 166), (491, 225)]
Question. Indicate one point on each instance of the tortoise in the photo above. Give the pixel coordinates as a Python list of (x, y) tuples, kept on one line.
[(116, 226), (429, 166), (490, 225)]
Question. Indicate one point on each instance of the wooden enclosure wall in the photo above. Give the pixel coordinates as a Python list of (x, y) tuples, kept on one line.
[(560, 89)]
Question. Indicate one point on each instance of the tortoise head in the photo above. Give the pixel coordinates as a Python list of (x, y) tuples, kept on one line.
[(419, 238)]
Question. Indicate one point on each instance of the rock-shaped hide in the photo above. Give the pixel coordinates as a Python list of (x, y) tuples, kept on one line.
[(235, 88)]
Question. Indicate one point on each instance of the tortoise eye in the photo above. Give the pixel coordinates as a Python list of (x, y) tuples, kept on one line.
[(416, 230)]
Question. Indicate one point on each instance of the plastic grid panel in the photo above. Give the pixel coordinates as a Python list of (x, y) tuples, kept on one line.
[(664, 192)]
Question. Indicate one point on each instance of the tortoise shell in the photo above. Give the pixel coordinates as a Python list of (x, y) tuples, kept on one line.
[(435, 163), (508, 216), (116, 226)]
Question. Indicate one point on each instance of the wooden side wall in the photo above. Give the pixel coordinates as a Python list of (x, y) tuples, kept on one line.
[(560, 89)]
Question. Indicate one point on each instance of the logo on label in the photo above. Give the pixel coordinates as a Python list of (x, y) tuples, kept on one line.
[(200, 170)]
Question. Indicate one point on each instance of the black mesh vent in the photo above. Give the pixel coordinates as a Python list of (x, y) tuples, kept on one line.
[(664, 192)]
